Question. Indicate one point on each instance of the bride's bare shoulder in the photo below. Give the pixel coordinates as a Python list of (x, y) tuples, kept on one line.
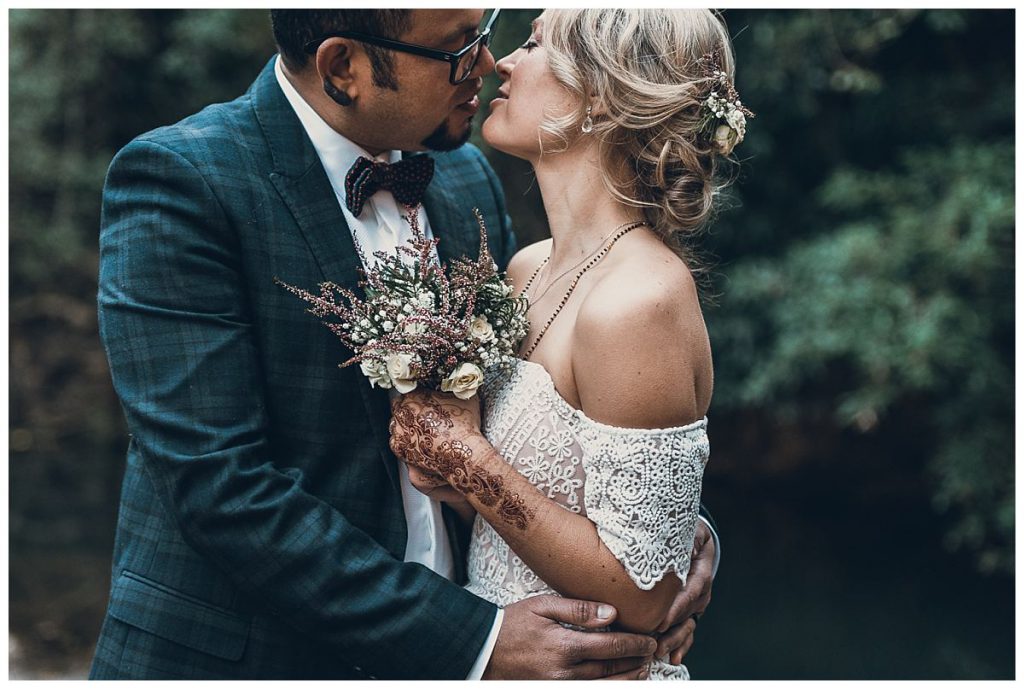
[(526, 260), (640, 351), (647, 286)]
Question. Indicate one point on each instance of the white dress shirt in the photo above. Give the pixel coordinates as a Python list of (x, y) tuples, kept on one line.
[(381, 227)]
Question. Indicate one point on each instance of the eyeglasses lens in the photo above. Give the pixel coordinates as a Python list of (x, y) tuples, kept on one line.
[(467, 62)]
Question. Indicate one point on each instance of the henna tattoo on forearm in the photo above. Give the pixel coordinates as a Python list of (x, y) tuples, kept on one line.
[(414, 438)]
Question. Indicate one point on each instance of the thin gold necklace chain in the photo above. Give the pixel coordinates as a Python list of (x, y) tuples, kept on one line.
[(535, 299), (572, 286)]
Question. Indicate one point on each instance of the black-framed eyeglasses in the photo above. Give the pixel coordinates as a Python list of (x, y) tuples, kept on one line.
[(462, 63)]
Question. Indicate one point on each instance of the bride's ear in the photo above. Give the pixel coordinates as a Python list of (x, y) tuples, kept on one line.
[(597, 108), (338, 69)]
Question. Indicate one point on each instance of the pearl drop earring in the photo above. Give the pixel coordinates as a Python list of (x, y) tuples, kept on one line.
[(588, 122)]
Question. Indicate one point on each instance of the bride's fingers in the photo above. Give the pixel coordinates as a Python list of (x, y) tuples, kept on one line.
[(676, 637)]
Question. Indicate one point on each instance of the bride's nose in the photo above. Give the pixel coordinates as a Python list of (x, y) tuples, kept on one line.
[(504, 67)]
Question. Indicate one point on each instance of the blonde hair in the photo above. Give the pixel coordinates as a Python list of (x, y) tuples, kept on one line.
[(639, 67)]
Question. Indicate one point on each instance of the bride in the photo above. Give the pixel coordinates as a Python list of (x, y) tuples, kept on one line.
[(584, 465)]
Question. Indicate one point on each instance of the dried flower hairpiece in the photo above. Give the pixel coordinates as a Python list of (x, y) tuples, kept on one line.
[(724, 117)]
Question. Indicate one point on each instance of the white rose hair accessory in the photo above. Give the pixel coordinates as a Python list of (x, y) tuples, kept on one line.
[(723, 115)]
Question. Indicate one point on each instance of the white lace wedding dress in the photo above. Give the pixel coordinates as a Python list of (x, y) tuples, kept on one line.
[(640, 487)]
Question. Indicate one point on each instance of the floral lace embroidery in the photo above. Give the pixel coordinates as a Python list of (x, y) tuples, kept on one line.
[(640, 487)]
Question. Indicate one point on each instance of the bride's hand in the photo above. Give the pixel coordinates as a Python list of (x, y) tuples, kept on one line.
[(422, 423), (435, 487), (427, 433)]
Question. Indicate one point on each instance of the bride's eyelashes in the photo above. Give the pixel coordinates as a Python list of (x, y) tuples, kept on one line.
[(529, 45)]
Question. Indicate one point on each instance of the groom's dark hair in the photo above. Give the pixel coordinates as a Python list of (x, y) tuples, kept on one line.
[(293, 29)]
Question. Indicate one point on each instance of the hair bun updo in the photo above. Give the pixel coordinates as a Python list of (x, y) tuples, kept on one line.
[(647, 72)]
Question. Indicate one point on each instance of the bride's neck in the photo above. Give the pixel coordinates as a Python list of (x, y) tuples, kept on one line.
[(581, 211)]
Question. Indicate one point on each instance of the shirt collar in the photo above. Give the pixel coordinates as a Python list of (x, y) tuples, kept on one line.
[(337, 153)]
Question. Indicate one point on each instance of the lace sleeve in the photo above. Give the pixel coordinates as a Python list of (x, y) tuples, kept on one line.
[(642, 490)]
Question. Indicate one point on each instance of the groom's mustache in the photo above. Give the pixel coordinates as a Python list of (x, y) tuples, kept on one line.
[(477, 86)]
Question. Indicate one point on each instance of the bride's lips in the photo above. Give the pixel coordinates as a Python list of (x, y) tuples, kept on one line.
[(499, 97), (471, 105)]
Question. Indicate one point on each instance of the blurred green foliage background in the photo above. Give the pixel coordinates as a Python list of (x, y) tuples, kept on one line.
[(860, 304)]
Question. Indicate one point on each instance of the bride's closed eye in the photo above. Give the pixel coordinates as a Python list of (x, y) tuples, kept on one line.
[(529, 45)]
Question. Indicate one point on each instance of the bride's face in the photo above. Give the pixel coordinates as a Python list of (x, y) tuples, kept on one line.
[(528, 93)]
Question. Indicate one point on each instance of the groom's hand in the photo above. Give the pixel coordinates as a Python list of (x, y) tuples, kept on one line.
[(532, 644), (675, 633)]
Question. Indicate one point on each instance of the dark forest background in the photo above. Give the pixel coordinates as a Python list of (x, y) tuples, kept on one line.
[(860, 304)]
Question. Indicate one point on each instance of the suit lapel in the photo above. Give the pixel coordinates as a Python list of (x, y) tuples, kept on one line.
[(300, 179)]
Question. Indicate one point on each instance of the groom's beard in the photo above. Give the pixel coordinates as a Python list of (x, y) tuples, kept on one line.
[(443, 140)]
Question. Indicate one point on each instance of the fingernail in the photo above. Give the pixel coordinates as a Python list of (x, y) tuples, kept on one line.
[(605, 612)]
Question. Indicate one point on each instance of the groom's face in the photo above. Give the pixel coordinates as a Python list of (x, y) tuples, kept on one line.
[(427, 111)]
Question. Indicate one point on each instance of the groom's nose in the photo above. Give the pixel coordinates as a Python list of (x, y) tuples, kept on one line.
[(485, 63)]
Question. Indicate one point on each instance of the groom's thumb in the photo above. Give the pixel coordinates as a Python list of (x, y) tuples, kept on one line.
[(582, 613)]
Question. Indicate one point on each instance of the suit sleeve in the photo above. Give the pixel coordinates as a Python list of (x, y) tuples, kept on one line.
[(179, 338)]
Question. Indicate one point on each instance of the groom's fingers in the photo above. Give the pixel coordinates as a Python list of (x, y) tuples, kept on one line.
[(622, 668), (676, 658), (696, 595), (582, 613), (609, 646), (679, 636)]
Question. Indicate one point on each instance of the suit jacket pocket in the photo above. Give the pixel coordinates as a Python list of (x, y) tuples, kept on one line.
[(177, 617)]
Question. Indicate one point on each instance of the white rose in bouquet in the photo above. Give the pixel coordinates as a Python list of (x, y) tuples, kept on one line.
[(376, 371), (400, 370), (463, 381), (481, 329)]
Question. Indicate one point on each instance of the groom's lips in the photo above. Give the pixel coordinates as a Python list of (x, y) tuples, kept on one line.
[(471, 105)]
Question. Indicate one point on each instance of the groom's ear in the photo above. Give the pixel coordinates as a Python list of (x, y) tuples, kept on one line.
[(341, 62)]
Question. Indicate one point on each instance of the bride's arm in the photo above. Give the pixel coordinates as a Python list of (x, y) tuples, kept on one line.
[(431, 484), (441, 434)]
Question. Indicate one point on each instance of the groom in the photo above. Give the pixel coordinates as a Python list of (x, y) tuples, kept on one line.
[(265, 530)]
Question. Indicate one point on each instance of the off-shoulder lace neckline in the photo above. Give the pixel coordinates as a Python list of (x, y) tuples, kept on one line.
[(571, 410)]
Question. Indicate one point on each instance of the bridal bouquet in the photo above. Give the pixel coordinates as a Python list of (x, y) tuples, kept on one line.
[(422, 323)]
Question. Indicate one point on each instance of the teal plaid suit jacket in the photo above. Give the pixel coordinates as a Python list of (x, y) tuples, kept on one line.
[(261, 532)]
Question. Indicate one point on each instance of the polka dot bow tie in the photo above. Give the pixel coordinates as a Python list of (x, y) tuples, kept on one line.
[(407, 180)]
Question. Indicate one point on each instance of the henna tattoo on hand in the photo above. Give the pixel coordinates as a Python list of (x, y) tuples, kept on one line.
[(418, 438)]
